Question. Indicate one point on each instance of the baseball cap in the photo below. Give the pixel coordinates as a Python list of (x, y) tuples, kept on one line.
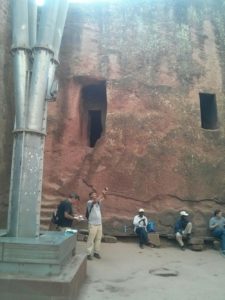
[(184, 213), (141, 210)]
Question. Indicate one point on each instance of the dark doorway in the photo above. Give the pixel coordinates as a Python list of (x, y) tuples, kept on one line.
[(94, 126), (208, 108), (93, 109)]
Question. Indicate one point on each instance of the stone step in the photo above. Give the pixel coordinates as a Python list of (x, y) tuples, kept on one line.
[(216, 245), (44, 227), (45, 219), (197, 247), (82, 237), (105, 239), (49, 204), (199, 240), (196, 241), (83, 231), (47, 213), (154, 239), (209, 239), (109, 239)]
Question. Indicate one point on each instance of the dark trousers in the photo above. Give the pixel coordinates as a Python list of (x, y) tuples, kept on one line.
[(142, 235), (220, 234)]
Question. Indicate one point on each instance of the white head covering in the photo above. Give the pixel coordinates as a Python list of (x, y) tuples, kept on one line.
[(184, 213)]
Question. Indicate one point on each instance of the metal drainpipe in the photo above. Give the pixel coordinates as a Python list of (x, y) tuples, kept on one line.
[(27, 162), (32, 13), (43, 53), (20, 52), (53, 84)]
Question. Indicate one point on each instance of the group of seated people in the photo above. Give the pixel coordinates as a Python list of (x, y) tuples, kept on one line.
[(182, 228)]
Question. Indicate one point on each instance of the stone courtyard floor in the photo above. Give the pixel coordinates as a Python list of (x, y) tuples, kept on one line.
[(166, 273)]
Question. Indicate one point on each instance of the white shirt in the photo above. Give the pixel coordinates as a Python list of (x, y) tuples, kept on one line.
[(95, 217), (140, 222)]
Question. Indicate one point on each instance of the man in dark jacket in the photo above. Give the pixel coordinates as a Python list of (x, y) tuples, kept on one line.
[(183, 228), (65, 214)]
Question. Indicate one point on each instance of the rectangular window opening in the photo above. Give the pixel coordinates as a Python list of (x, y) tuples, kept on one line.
[(208, 109), (94, 110)]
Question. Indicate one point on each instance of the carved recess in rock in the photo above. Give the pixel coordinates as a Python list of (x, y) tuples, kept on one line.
[(141, 68)]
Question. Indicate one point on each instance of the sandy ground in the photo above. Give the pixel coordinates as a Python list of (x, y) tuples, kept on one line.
[(166, 273)]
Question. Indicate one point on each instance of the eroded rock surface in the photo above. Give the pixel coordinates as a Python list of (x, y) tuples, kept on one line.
[(128, 113), (142, 67)]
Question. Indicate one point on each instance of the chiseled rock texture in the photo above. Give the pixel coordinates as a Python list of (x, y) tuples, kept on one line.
[(156, 57), (142, 65)]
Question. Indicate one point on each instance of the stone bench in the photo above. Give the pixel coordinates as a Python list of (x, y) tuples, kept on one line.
[(196, 243), (83, 235)]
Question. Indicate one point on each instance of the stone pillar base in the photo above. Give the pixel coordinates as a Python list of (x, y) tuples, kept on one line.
[(64, 286)]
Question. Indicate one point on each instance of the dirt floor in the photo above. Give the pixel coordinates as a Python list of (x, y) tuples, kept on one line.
[(166, 273)]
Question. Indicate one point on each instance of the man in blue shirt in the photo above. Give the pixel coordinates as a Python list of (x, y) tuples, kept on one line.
[(183, 228), (217, 227)]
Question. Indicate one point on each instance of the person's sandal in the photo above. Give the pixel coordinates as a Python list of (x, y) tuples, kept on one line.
[(96, 255)]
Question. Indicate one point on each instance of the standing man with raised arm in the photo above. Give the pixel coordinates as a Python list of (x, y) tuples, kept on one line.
[(94, 216)]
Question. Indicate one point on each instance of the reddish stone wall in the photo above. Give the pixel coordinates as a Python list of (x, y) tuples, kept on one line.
[(156, 56)]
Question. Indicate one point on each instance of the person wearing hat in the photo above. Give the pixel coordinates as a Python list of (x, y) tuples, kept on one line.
[(183, 228), (65, 213), (217, 227), (140, 228)]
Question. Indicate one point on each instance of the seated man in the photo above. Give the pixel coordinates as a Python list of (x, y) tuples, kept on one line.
[(183, 228), (140, 223), (217, 227)]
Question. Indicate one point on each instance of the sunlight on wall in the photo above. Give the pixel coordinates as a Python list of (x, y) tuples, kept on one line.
[(41, 2)]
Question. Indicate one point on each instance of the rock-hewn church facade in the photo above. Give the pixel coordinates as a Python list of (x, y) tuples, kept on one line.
[(140, 109)]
